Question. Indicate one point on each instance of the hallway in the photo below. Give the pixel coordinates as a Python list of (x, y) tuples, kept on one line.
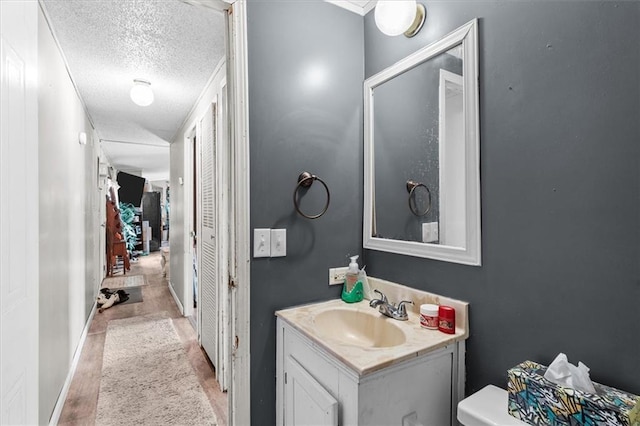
[(81, 404)]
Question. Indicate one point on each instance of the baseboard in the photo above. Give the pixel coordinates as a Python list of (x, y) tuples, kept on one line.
[(57, 410), (175, 297)]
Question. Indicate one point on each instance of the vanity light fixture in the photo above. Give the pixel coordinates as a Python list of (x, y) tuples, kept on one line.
[(141, 93), (395, 17)]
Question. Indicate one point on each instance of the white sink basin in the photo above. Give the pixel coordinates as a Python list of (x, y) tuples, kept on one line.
[(359, 328), (365, 340)]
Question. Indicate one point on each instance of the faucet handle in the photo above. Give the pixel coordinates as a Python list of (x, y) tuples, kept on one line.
[(382, 296), (401, 308)]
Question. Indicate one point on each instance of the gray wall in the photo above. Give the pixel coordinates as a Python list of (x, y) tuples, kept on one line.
[(559, 108), (298, 123)]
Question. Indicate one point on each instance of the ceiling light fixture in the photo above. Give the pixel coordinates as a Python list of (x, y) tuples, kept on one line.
[(141, 93), (395, 17)]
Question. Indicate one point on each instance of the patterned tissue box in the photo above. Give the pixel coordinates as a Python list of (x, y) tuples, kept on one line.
[(537, 401)]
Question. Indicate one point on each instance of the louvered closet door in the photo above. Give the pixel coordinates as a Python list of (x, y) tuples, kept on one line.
[(207, 243)]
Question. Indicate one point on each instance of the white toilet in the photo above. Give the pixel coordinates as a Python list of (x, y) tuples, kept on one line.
[(487, 407)]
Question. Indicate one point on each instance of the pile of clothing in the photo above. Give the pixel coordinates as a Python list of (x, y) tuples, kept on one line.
[(107, 298)]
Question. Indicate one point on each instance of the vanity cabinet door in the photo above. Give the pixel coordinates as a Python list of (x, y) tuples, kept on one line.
[(302, 372), (306, 401)]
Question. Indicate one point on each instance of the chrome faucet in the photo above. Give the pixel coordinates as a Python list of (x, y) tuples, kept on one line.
[(384, 307)]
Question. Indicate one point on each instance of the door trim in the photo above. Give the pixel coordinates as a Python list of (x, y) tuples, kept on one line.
[(238, 98), (189, 152), (239, 401)]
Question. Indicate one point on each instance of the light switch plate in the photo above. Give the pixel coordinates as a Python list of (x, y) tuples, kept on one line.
[(278, 242), (430, 232), (261, 242)]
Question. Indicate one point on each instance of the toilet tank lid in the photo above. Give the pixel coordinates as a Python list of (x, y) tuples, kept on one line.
[(487, 407)]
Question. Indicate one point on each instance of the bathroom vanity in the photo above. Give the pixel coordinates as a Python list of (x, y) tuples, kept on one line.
[(347, 364)]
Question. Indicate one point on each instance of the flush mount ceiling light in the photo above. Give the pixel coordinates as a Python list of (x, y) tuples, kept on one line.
[(395, 17), (141, 93)]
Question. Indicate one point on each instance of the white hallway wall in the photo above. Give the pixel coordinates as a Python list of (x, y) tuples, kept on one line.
[(177, 217), (70, 209)]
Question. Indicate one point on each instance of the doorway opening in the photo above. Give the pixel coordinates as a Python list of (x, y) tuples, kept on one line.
[(208, 256), (192, 313), (452, 153)]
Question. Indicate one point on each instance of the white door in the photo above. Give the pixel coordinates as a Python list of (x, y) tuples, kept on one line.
[(207, 237), (306, 402), (213, 243), (18, 213), (452, 154)]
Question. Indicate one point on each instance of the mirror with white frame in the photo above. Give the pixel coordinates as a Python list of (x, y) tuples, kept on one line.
[(421, 146)]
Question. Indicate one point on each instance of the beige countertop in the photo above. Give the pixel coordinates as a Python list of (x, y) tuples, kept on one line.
[(365, 360)]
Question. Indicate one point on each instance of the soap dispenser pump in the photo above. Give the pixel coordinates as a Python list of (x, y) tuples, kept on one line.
[(352, 291)]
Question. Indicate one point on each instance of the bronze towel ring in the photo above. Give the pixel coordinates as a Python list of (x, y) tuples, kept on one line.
[(411, 187), (306, 180)]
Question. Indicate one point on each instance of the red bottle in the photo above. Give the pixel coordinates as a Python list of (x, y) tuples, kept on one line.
[(447, 319)]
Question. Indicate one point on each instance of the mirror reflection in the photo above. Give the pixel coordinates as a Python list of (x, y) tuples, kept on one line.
[(419, 147)]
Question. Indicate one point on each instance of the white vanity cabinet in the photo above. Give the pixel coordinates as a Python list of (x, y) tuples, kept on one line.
[(315, 387)]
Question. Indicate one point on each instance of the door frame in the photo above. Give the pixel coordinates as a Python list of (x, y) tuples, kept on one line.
[(190, 151), (239, 392), (238, 112), (225, 249)]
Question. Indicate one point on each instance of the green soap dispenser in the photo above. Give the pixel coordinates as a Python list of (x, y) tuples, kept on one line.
[(352, 291)]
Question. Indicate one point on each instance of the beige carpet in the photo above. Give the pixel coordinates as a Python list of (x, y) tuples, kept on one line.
[(124, 281), (147, 379)]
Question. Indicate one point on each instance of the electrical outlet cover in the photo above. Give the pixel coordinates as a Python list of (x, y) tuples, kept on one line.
[(337, 275)]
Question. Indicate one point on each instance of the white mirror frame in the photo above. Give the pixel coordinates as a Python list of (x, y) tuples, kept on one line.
[(471, 253)]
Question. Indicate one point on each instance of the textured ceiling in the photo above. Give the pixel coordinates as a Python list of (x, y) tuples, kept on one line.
[(107, 43)]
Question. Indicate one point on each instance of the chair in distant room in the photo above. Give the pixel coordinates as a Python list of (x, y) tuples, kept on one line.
[(116, 245)]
